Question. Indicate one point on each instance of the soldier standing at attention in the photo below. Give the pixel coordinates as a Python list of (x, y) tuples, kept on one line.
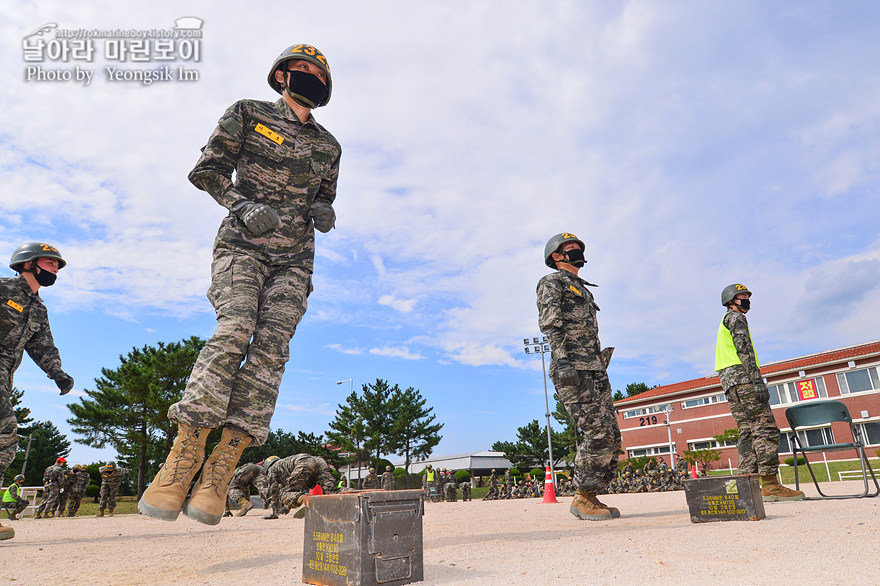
[(388, 479), (24, 326), (111, 476), (567, 316), (53, 482), (737, 366), (371, 481), (286, 167), (81, 481)]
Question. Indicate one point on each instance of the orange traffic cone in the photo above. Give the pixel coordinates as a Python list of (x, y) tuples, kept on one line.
[(694, 472), (549, 490), (316, 490)]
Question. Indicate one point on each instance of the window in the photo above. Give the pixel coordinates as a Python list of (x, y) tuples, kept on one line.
[(870, 432), (806, 438), (709, 445), (699, 402), (804, 389), (857, 381), (652, 451), (644, 411)]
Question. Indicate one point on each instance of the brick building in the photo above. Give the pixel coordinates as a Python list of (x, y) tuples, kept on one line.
[(699, 408)]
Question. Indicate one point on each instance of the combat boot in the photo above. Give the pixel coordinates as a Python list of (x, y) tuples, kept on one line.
[(6, 532), (246, 505), (585, 506), (110, 512), (13, 516), (38, 515), (772, 491), (615, 512), (100, 513), (165, 496), (208, 500)]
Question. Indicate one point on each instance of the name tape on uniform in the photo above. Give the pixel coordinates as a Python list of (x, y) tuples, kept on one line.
[(576, 290), (15, 306), (273, 136)]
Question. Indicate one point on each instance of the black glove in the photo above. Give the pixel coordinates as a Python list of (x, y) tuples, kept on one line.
[(566, 373), (63, 380), (257, 217), (323, 215), (762, 393)]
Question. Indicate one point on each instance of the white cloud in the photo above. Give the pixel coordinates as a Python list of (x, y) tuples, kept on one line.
[(339, 348), (396, 352), (401, 305)]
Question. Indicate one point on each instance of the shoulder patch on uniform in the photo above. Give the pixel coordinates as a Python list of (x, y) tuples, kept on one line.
[(576, 290), (273, 136), (15, 306)]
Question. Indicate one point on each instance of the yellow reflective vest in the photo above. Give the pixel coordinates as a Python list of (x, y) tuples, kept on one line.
[(430, 475), (725, 351)]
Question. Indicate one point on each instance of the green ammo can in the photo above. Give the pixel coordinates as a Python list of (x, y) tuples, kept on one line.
[(364, 538), (724, 498)]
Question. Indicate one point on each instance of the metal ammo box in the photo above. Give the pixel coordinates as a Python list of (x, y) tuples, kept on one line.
[(725, 498), (364, 538)]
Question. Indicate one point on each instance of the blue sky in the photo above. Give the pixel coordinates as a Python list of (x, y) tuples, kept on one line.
[(689, 144)]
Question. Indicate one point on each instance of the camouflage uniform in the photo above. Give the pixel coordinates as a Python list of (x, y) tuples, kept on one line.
[(465, 491), (110, 479), (758, 444), (292, 477), (259, 284), (388, 480), (24, 326), (53, 481), (243, 479), (78, 490), (67, 482), (371, 481), (567, 316), (451, 495)]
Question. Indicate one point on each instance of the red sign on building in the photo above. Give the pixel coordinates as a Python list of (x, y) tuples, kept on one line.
[(806, 389)]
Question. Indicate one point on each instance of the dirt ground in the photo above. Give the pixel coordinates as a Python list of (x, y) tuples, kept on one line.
[(479, 543)]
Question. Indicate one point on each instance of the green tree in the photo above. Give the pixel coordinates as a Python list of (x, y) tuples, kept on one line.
[(347, 430), (284, 443), (413, 431), (633, 389), (376, 412), (530, 449), (702, 458), (127, 409), (47, 443), (565, 442), (22, 413), (728, 436)]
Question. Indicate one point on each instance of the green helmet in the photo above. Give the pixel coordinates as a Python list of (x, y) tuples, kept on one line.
[(32, 251), (555, 243), (111, 465), (267, 463), (731, 291), (306, 53), (18, 478)]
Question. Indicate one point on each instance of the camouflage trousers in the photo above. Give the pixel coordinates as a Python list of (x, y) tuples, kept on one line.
[(284, 491), (236, 377), (8, 425), (20, 505), (51, 496), (233, 495), (109, 493), (591, 406), (758, 443), (73, 502), (62, 502)]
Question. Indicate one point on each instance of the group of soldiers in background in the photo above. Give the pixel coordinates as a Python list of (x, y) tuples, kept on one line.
[(653, 478), (440, 486), (374, 481), (66, 487), (513, 489)]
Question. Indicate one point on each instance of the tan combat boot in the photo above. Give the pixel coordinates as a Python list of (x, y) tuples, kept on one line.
[(110, 512), (100, 513), (615, 512), (585, 506), (208, 500), (246, 505), (772, 491), (6, 532), (164, 497)]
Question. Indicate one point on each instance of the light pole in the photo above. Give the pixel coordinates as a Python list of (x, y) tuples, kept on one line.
[(669, 433), (540, 346), (348, 474)]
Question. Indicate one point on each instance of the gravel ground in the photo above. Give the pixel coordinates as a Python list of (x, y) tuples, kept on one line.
[(494, 542)]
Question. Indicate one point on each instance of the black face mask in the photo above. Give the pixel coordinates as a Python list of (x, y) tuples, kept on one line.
[(306, 89), (745, 304), (575, 257), (45, 278)]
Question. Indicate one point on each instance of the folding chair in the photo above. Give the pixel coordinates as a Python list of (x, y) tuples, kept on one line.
[(819, 413)]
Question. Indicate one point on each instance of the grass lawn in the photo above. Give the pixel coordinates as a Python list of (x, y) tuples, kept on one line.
[(818, 469)]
